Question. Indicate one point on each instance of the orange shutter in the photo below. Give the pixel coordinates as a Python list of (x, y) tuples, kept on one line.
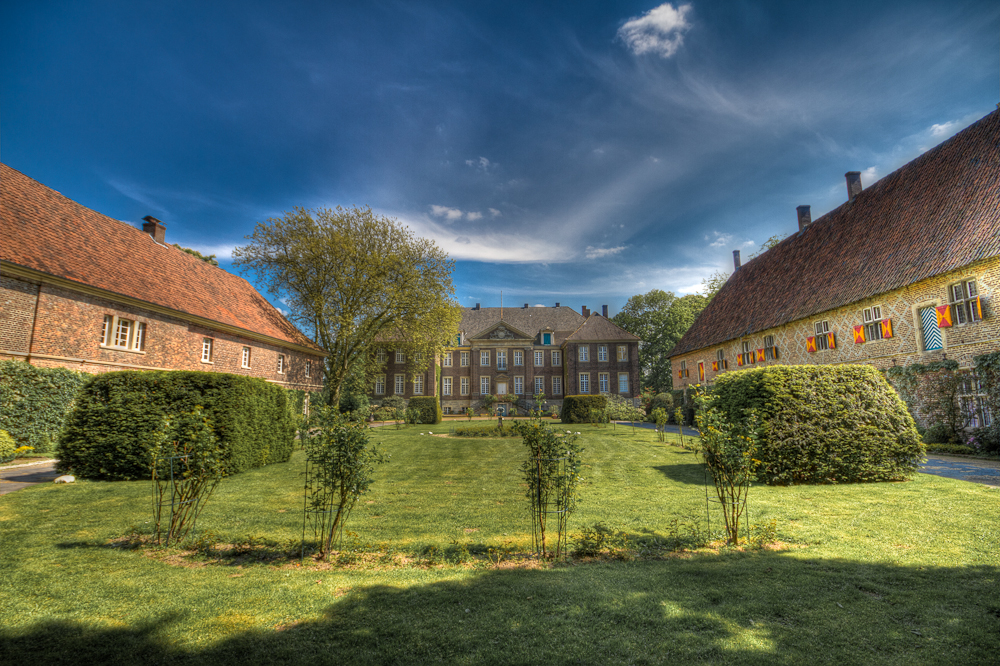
[(979, 307), (811, 344), (859, 334), (687, 373), (725, 365), (715, 366), (680, 374), (943, 316), (739, 359), (701, 371), (830, 341), (774, 353), (760, 355), (886, 328)]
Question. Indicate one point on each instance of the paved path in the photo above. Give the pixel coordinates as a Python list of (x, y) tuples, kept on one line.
[(22, 476), (975, 470)]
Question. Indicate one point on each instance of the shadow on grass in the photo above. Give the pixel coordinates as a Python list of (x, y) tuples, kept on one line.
[(738, 608), (693, 473)]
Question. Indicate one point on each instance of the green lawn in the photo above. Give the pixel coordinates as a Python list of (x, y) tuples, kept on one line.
[(883, 573)]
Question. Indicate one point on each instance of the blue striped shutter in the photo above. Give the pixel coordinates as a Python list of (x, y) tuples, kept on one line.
[(932, 334)]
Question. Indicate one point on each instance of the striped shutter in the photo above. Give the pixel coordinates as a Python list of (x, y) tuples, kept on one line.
[(725, 365), (831, 341), (739, 359), (886, 325), (943, 313), (715, 366), (929, 318), (811, 344), (761, 356), (978, 306), (680, 374), (701, 371), (774, 353), (859, 334)]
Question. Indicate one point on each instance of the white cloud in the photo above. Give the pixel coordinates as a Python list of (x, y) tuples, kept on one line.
[(660, 30), (869, 176), (446, 213), (719, 239), (494, 212), (476, 215), (220, 251), (599, 252), (943, 129), (482, 164)]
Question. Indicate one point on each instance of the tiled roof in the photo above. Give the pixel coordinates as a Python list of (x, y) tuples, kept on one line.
[(599, 328), (562, 320), (42, 230), (931, 216)]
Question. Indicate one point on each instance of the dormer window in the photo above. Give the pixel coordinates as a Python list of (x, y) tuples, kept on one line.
[(546, 338)]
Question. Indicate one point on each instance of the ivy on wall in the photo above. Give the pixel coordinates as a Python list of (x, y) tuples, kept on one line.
[(34, 402)]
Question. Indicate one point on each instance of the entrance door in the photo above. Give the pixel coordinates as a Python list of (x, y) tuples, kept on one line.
[(502, 410), (929, 327), (501, 388)]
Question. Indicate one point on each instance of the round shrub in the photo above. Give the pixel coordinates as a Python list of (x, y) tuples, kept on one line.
[(7, 447), (663, 401), (824, 424), (576, 408)]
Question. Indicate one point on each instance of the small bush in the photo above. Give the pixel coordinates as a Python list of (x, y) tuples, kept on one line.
[(353, 402), (428, 409), (119, 415), (7, 447), (392, 402), (663, 401), (486, 430), (824, 424), (576, 408), (939, 433), (34, 402), (959, 449)]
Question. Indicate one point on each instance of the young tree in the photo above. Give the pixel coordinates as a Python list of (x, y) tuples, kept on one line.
[(354, 280)]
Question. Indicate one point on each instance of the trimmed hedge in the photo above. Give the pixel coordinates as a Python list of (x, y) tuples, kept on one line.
[(118, 416), (428, 407), (486, 430), (824, 424), (34, 402), (576, 408)]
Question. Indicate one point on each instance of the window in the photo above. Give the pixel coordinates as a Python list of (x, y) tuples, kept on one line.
[(965, 304), (380, 385), (518, 385), (246, 357), (458, 340), (518, 357), (463, 385), (418, 385), (557, 386), (501, 359), (684, 369), (446, 360), (769, 347), (873, 323), (380, 356), (623, 383), (584, 353), (446, 386), (419, 356), (484, 385), (281, 364), (206, 350), (539, 385), (720, 355), (484, 359), (539, 359), (399, 384), (400, 356), (603, 384), (584, 382), (464, 359), (123, 333), (746, 348), (972, 398), (546, 338), (602, 353), (556, 359), (309, 368), (622, 352), (822, 328)]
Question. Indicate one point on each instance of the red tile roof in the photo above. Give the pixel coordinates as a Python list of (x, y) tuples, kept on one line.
[(42, 230), (599, 328), (933, 215)]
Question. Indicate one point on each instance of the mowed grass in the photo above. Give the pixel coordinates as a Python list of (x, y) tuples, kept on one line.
[(876, 573)]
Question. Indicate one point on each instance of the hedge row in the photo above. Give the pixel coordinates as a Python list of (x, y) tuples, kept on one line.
[(34, 402), (428, 407), (824, 424), (576, 408), (118, 415), (486, 430)]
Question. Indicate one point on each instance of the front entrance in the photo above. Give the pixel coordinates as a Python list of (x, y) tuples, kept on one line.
[(502, 410), (501, 388)]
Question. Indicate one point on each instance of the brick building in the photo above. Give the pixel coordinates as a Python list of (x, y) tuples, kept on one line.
[(903, 272), (83, 291), (515, 353)]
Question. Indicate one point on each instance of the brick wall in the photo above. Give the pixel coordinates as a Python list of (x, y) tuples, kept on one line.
[(17, 312), (961, 342)]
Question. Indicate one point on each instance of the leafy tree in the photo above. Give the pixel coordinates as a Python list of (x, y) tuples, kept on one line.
[(207, 258), (355, 280), (713, 283), (768, 244), (660, 318)]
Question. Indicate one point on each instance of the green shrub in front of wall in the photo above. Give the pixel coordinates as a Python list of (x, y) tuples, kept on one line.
[(427, 408), (34, 402), (118, 416), (7, 447), (664, 401), (576, 408), (824, 424)]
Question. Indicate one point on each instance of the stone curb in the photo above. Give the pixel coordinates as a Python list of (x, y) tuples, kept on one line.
[(39, 462)]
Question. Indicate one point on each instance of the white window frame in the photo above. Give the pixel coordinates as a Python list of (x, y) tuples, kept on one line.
[(463, 386), (539, 385), (281, 364), (484, 358), (556, 358), (960, 297), (246, 357), (484, 385), (747, 349), (464, 359), (623, 383), (872, 317), (584, 380), (518, 357), (418, 385), (446, 360), (583, 353), (557, 386), (380, 385), (501, 359), (622, 353), (821, 328), (207, 347), (309, 369), (399, 384), (539, 359), (518, 385), (446, 383), (768, 347), (400, 356), (602, 352), (381, 356), (603, 382), (720, 356), (124, 334)]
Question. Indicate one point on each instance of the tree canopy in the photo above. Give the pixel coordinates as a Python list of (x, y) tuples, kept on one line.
[(660, 318), (207, 258), (354, 279)]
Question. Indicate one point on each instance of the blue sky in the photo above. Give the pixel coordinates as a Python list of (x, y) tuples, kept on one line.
[(580, 152)]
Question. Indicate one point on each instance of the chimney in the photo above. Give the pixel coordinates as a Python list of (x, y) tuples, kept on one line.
[(557, 305), (585, 311), (477, 306), (604, 311), (155, 228), (525, 306), (853, 184), (805, 217), (736, 260)]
